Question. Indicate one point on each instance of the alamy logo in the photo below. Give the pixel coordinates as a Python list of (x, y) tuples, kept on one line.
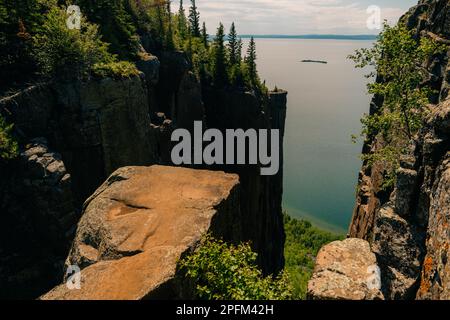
[(74, 17), (373, 282), (374, 20), (234, 145), (73, 274)]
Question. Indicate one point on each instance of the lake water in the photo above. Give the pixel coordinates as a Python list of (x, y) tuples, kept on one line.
[(325, 103)]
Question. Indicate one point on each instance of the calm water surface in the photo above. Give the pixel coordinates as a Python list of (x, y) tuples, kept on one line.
[(325, 103)]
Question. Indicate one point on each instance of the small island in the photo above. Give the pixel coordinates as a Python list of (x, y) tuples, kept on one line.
[(315, 61)]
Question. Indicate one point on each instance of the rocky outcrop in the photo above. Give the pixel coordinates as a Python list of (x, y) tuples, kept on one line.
[(140, 222), (181, 100), (408, 232), (345, 270), (428, 18), (103, 125), (405, 224), (90, 123), (237, 109), (435, 277), (398, 246), (100, 125), (38, 218)]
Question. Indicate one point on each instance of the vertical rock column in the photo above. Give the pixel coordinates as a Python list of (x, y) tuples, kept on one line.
[(275, 228)]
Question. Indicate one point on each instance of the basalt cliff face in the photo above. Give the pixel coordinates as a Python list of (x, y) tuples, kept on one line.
[(76, 134), (408, 227)]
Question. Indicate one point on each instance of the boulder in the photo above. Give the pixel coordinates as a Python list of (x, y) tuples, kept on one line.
[(140, 222), (345, 270)]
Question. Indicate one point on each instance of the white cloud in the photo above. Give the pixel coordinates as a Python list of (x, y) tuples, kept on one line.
[(290, 16)]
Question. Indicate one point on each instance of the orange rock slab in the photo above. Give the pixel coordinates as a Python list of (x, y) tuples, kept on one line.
[(137, 226)]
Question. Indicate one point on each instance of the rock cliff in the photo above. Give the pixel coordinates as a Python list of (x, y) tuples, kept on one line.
[(140, 222), (407, 227), (97, 126), (236, 109), (38, 220)]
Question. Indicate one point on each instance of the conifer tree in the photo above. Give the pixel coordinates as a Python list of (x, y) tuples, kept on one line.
[(239, 50), (182, 21), (220, 59), (160, 25), (236, 72), (250, 60), (204, 36), (194, 19), (233, 45), (188, 48), (169, 36)]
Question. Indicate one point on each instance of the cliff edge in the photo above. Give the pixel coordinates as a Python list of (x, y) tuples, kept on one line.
[(407, 226), (137, 226)]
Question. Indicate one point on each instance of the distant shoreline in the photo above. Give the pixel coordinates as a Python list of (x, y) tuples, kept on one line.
[(316, 222), (314, 36)]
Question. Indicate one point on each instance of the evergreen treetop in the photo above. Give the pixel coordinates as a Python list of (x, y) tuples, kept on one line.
[(182, 21), (204, 35), (194, 19), (239, 50), (220, 59), (233, 45), (250, 60)]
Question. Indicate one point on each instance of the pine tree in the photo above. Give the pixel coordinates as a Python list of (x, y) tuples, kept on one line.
[(220, 59), (239, 50), (194, 19), (250, 60), (169, 36), (236, 71), (233, 45), (188, 48), (204, 36), (160, 25), (182, 21)]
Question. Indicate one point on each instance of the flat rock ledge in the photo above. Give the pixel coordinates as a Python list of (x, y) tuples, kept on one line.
[(345, 270), (137, 226)]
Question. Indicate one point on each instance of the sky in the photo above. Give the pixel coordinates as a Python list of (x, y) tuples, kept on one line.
[(296, 17)]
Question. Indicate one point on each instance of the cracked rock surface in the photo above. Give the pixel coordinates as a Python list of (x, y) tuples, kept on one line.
[(138, 224), (345, 270)]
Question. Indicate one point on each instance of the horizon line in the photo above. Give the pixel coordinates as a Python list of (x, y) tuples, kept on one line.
[(315, 36)]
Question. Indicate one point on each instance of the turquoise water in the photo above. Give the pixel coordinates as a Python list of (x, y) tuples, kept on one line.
[(325, 103)]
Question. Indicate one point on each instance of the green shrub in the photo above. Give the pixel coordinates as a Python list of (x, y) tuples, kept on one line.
[(19, 20), (59, 49), (8, 146), (62, 51), (398, 59), (226, 272), (116, 25), (303, 242), (115, 69), (196, 52)]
